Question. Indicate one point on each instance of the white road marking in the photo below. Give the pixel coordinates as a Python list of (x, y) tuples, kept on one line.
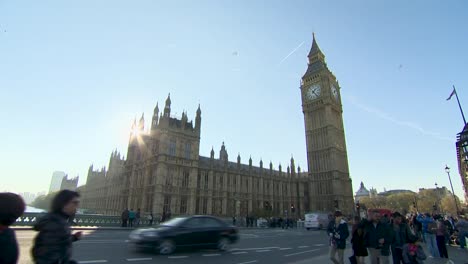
[(303, 246), (239, 252), (241, 249), (263, 250), (211, 255), (253, 261), (302, 252), (177, 257), (319, 245), (285, 248), (138, 259), (92, 261), (126, 241)]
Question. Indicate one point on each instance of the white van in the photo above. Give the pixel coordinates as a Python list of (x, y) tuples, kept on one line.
[(316, 220)]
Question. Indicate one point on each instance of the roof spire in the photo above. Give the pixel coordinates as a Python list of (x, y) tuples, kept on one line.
[(315, 48)]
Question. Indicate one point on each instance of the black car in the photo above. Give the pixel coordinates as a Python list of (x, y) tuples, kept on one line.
[(180, 232)]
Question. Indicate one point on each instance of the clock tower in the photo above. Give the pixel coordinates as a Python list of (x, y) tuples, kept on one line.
[(329, 183)]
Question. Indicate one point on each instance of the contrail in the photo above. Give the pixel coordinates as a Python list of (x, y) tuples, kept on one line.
[(291, 53), (396, 121)]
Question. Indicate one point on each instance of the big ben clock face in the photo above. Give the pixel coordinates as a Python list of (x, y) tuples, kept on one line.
[(313, 92), (334, 92)]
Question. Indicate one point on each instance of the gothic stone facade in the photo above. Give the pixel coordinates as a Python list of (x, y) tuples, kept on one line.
[(164, 173)]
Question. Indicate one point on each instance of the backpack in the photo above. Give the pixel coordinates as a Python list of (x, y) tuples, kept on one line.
[(432, 227)]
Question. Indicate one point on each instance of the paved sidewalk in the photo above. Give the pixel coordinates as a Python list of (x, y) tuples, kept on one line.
[(457, 256)]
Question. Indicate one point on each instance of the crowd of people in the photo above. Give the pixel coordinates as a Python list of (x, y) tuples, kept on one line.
[(395, 237)]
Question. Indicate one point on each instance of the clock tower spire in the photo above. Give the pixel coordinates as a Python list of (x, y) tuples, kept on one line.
[(329, 181)]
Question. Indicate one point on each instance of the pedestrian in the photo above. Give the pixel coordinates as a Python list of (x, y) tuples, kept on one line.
[(374, 238), (462, 227), (357, 241), (441, 234), (233, 220), (11, 207), (413, 253), (399, 236), (53, 243), (137, 217), (429, 229), (338, 233), (150, 218), (125, 217), (131, 217)]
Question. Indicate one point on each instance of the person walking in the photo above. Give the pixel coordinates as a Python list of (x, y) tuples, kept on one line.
[(338, 232), (357, 241), (375, 233), (131, 217), (400, 235), (150, 218), (462, 227), (11, 207), (441, 234), (429, 229), (53, 243), (124, 218), (137, 217)]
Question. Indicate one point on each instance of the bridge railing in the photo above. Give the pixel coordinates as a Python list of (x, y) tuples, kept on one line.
[(29, 219)]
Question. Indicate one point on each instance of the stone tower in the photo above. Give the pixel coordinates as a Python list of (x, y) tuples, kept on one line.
[(329, 181)]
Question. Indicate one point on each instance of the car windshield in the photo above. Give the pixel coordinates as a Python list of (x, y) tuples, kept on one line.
[(174, 222)]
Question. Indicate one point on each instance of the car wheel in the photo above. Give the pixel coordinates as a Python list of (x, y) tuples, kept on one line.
[(320, 227), (308, 229), (223, 244), (166, 247)]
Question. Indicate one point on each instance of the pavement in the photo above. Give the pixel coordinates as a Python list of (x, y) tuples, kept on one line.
[(272, 246)]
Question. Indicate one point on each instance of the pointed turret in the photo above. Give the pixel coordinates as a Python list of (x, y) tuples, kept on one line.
[(198, 119), (212, 153), (167, 107), (223, 153), (316, 59), (155, 120), (250, 161), (238, 158), (315, 49), (293, 166), (141, 124), (261, 163)]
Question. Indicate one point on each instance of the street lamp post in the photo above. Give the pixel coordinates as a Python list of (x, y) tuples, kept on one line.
[(447, 169), (439, 206)]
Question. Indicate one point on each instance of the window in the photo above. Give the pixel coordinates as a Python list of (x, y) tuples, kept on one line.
[(185, 178), (172, 147), (214, 182), (210, 222), (183, 205), (206, 180), (199, 179), (221, 182), (197, 206), (205, 205), (188, 150), (167, 204), (169, 176), (156, 147)]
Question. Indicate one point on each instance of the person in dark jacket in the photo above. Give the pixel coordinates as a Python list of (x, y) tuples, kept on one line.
[(338, 232), (53, 243), (124, 218), (400, 234), (357, 240), (11, 207), (375, 233)]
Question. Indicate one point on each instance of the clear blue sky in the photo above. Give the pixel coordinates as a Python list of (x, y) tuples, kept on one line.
[(73, 75)]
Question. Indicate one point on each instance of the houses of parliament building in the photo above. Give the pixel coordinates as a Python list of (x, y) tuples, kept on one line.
[(164, 173)]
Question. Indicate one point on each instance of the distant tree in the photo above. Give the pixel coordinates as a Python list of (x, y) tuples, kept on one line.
[(448, 205), (43, 201), (374, 202), (400, 202)]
